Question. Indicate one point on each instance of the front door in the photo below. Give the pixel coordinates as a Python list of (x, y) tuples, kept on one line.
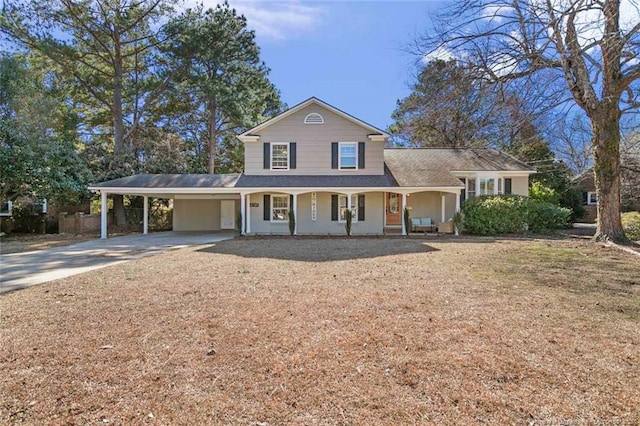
[(394, 209), (227, 211)]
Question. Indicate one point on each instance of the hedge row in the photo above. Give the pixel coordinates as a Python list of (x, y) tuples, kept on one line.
[(510, 214)]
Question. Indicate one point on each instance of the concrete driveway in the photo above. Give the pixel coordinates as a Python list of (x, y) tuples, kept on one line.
[(20, 270)]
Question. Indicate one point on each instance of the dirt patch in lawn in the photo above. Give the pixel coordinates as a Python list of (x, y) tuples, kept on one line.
[(285, 331), (28, 242)]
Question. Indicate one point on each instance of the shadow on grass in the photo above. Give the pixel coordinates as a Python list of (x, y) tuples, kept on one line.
[(318, 249)]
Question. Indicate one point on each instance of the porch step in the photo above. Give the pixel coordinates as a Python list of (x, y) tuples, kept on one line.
[(392, 231)]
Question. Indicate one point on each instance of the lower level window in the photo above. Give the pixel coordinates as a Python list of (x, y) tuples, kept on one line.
[(342, 207), (592, 198), (279, 208), (471, 187), (487, 186)]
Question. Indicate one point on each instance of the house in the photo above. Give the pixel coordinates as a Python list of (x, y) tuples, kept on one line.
[(586, 183), (319, 161)]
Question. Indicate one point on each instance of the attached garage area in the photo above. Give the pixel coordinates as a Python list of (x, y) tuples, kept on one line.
[(205, 213)]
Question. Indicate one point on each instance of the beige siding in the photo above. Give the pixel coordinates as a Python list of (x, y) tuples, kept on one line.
[(197, 215), (520, 185), (323, 224), (429, 204), (313, 143)]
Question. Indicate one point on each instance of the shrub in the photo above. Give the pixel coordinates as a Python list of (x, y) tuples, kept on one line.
[(631, 225), (348, 217), (292, 222), (407, 221), (541, 192), (28, 218), (510, 214), (239, 222), (542, 216)]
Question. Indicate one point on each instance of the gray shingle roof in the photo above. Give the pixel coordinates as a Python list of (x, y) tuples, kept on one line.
[(430, 167), (320, 181), (172, 181)]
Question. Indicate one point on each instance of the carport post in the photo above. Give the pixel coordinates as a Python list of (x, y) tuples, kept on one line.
[(243, 209), (248, 218), (145, 214), (455, 228), (103, 215)]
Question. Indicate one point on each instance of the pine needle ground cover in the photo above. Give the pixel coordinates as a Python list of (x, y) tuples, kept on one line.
[(331, 331)]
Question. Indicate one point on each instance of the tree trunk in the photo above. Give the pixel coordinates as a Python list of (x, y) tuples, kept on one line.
[(213, 140), (118, 132), (606, 150)]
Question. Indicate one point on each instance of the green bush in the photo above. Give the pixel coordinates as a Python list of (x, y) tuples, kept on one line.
[(28, 218), (631, 225), (510, 214), (541, 192)]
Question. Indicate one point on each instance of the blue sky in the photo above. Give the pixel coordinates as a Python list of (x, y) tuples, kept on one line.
[(351, 54)]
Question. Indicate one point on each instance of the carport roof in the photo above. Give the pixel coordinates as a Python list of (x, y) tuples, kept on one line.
[(171, 181)]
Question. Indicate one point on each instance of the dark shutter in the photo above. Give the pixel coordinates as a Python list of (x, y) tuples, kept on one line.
[(361, 155), (266, 211), (585, 198), (266, 149), (361, 208), (507, 185), (334, 207), (334, 155), (292, 155)]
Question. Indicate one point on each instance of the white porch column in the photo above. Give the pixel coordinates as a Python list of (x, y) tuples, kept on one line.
[(455, 228), (443, 212), (404, 206), (243, 210), (103, 215), (295, 213), (145, 214), (247, 227)]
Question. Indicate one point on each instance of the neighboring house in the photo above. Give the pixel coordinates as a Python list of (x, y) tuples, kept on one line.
[(319, 162), (586, 183)]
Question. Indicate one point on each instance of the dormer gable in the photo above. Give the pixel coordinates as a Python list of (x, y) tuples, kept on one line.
[(373, 133)]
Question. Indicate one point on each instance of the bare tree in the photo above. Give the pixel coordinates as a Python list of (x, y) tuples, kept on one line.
[(584, 42), (571, 140)]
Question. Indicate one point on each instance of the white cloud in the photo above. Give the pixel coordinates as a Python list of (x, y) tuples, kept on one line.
[(275, 20), (440, 53)]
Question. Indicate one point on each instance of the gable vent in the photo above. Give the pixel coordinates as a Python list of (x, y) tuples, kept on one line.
[(314, 118)]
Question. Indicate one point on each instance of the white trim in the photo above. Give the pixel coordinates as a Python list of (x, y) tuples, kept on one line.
[(103, 215), (271, 198), (313, 122), (176, 192), (504, 173), (350, 205), (404, 206), (589, 203), (243, 212), (9, 211), (248, 136), (248, 209), (145, 215), (271, 144), (340, 144), (295, 213)]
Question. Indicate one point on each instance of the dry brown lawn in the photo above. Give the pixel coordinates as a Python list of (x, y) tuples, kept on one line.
[(19, 243), (332, 331)]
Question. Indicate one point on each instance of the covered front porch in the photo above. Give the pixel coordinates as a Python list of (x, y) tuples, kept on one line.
[(430, 210)]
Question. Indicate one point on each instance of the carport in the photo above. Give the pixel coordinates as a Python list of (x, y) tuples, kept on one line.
[(202, 202)]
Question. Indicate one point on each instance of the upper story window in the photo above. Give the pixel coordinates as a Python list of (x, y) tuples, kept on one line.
[(279, 156), (314, 118), (348, 156)]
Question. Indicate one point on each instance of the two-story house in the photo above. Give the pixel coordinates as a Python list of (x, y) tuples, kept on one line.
[(319, 162)]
